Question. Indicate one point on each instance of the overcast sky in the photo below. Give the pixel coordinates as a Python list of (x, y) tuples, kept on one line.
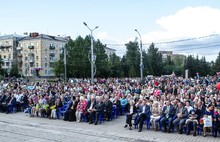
[(156, 20)]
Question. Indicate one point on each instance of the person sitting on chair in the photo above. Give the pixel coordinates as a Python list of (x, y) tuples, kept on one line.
[(192, 120), (144, 112), (217, 124), (168, 113), (98, 110), (108, 108), (181, 114), (90, 109), (131, 111)]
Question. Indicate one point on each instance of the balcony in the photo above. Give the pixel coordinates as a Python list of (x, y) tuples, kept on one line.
[(19, 61), (19, 54), (52, 47), (5, 60), (6, 46), (19, 48), (52, 54), (31, 47), (31, 54), (31, 60)]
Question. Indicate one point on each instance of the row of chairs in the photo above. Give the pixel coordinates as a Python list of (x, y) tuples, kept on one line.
[(199, 127), (62, 110)]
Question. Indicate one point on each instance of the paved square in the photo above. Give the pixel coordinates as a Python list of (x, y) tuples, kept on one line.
[(19, 128)]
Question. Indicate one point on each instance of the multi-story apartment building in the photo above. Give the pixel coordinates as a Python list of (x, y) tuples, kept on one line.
[(37, 52), (109, 51), (8, 44)]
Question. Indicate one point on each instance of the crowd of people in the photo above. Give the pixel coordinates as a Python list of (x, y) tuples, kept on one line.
[(165, 103)]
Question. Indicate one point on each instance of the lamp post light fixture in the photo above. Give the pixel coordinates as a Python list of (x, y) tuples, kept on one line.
[(92, 52), (141, 59)]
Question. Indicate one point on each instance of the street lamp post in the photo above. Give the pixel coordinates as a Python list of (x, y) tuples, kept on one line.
[(92, 53), (141, 60)]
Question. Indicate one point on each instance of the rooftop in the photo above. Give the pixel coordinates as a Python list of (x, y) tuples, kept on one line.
[(44, 36)]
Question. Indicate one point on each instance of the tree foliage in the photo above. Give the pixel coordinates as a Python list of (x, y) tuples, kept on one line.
[(79, 65)]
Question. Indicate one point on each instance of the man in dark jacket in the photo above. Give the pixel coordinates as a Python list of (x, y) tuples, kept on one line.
[(90, 109), (144, 110), (98, 110), (2, 99), (167, 115), (10, 104), (181, 114), (108, 108)]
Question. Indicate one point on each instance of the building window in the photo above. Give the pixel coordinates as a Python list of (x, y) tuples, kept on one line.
[(32, 65), (45, 50), (36, 64), (45, 71), (37, 44), (9, 56), (51, 65), (45, 58), (36, 57), (10, 43), (4, 56), (20, 44), (45, 65), (4, 50), (36, 50), (26, 58), (45, 44), (32, 44)]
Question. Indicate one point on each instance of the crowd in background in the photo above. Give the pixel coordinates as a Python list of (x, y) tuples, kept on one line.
[(168, 103)]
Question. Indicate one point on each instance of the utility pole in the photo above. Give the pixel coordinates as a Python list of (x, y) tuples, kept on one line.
[(141, 58), (92, 52)]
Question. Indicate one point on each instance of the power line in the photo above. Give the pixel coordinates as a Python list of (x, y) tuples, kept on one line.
[(170, 42)]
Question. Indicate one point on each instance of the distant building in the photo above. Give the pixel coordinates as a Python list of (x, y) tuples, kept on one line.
[(109, 51), (165, 54), (37, 52), (8, 44)]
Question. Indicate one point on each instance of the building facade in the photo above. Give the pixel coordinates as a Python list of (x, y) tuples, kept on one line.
[(109, 51), (36, 54), (8, 44)]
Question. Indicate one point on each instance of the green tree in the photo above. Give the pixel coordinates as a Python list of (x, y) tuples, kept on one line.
[(2, 71), (115, 68), (78, 59), (216, 65), (155, 61), (58, 67), (132, 57), (14, 71)]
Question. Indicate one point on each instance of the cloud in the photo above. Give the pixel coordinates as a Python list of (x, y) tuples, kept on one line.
[(102, 35), (185, 23)]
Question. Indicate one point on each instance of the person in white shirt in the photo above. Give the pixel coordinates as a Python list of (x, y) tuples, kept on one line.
[(189, 108)]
